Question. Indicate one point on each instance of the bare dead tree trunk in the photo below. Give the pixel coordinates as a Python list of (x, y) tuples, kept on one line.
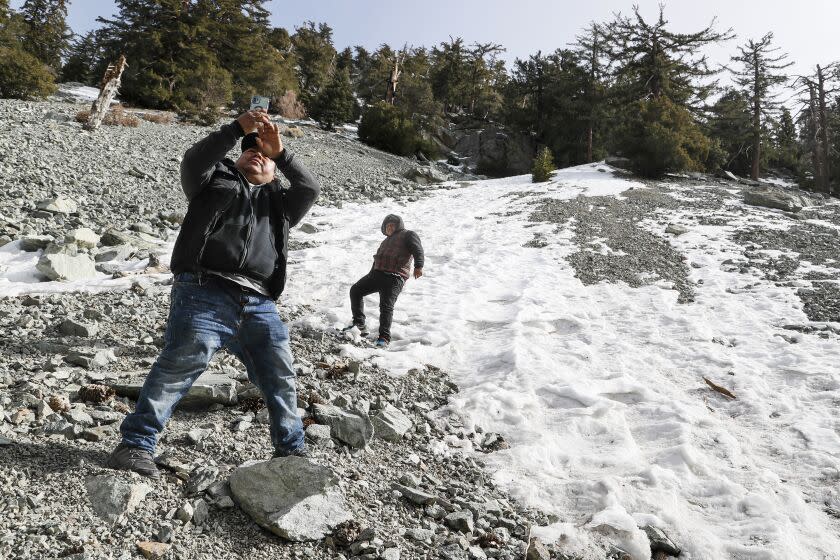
[(391, 94), (816, 152), (823, 113), (107, 91), (756, 124)]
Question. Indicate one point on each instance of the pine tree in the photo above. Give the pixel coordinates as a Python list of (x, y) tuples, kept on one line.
[(83, 58), (166, 42), (661, 82), (729, 123), (335, 103), (315, 55), (785, 150), (239, 35), (22, 75), (590, 48), (759, 73), (449, 74), (543, 166), (47, 35)]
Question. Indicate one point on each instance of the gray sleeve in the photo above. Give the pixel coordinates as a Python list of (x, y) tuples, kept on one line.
[(200, 160), (304, 187), (412, 243)]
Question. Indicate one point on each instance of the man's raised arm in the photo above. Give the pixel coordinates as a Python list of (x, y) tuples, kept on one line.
[(304, 187), (200, 160)]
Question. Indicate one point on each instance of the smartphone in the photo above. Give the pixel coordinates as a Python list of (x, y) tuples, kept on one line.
[(259, 102)]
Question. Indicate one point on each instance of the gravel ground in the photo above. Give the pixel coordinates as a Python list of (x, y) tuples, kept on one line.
[(54, 438)]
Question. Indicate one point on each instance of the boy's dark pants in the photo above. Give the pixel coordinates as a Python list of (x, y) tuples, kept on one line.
[(389, 287)]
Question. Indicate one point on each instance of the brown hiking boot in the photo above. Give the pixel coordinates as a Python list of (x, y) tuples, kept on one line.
[(126, 458)]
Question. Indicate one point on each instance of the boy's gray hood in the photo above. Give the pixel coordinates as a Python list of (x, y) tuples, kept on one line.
[(392, 219)]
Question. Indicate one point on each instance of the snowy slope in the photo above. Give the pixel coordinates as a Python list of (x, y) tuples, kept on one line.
[(599, 389)]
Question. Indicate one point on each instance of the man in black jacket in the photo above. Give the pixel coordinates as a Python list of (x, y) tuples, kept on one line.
[(391, 268), (230, 266)]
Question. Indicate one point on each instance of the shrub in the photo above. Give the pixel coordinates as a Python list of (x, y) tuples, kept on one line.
[(206, 88), (335, 103), (288, 106), (23, 76), (116, 116), (158, 118), (385, 127), (543, 166)]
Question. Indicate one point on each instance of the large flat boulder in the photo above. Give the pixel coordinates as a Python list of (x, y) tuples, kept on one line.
[(773, 197), (62, 262), (208, 389), (291, 497)]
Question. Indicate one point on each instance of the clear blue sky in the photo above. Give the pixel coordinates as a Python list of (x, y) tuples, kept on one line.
[(806, 29)]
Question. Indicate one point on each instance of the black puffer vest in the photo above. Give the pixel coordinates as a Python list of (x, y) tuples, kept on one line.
[(230, 229)]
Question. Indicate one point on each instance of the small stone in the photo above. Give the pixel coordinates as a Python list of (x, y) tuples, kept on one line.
[(32, 243), (675, 229), (537, 550), (318, 433), (460, 521), (200, 512), (113, 497), (307, 228), (184, 513), (58, 205), (152, 550), (196, 435), (416, 496), (62, 266), (201, 479), (71, 327)]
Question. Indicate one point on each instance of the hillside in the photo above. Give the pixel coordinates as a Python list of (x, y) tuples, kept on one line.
[(552, 361)]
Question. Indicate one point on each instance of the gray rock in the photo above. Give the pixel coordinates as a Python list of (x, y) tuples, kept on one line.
[(115, 253), (83, 237), (200, 512), (201, 479), (318, 433), (32, 243), (61, 266), (415, 496), (79, 417), (184, 513), (660, 542), (306, 227), (460, 521), (112, 497), (619, 162), (537, 550), (391, 554), (420, 535), (112, 238), (291, 497), (209, 389), (391, 423), (58, 205), (425, 175), (71, 327), (674, 229), (91, 359), (351, 427), (196, 435), (772, 197), (5, 441)]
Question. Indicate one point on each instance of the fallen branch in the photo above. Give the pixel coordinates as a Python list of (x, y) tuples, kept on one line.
[(719, 389)]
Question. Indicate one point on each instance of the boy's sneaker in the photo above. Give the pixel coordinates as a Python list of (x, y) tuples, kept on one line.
[(362, 329), (126, 458), (381, 343)]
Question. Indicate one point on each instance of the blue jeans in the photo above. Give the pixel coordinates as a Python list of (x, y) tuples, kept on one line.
[(204, 317)]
